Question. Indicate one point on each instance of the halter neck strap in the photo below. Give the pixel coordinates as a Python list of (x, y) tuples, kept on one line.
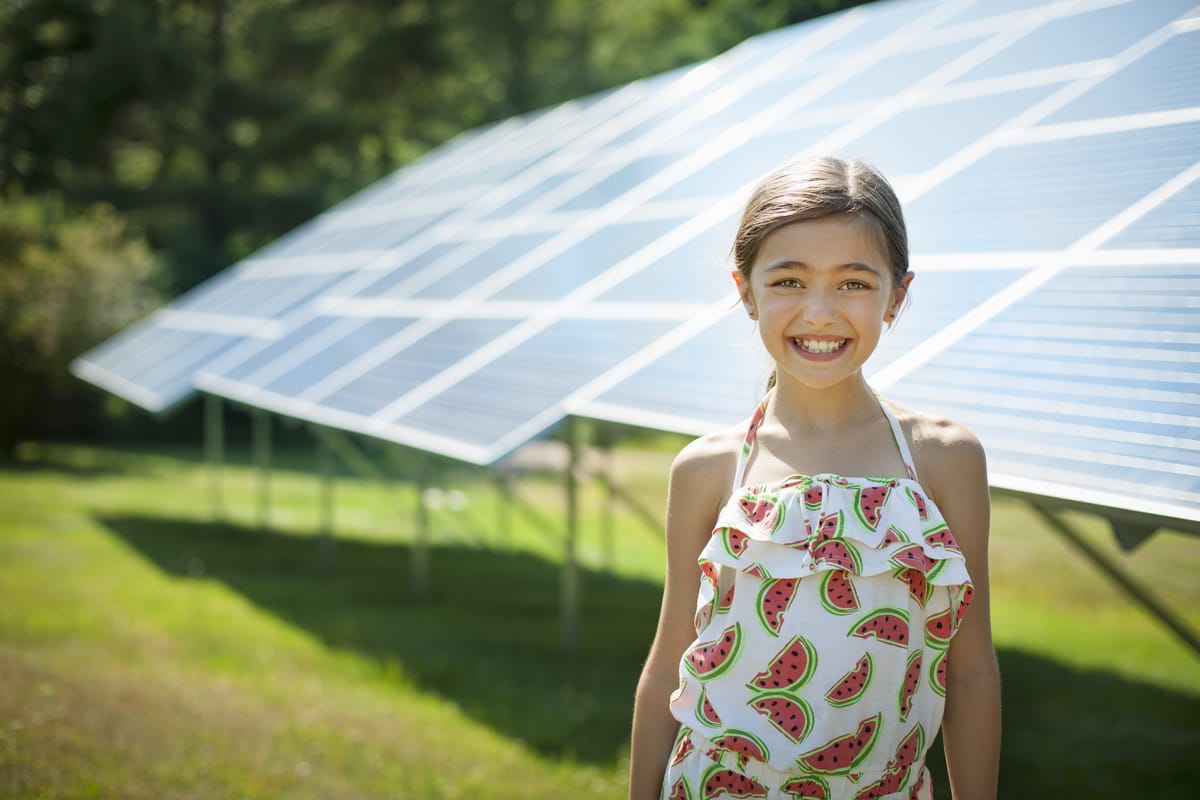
[(739, 475)]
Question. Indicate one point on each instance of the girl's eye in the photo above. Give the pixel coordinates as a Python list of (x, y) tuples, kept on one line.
[(856, 285), (788, 283)]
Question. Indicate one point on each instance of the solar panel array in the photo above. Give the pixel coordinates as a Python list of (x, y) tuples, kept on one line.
[(572, 261)]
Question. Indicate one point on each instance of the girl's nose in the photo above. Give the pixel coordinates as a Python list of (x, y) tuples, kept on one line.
[(818, 308)]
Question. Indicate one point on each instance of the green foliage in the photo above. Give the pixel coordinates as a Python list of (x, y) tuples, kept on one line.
[(216, 126), (67, 282)]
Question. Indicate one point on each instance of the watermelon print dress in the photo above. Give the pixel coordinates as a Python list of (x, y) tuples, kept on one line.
[(825, 612)]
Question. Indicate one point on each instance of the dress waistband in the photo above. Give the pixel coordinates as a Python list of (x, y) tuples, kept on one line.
[(839, 785)]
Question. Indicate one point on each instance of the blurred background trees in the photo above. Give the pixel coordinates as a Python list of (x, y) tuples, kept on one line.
[(147, 144)]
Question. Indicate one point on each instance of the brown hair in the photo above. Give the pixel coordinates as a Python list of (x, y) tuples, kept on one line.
[(816, 188)]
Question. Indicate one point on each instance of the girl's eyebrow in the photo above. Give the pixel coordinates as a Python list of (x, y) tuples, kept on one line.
[(853, 266)]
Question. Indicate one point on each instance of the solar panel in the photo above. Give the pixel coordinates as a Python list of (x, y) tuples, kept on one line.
[(1091, 386), (573, 260)]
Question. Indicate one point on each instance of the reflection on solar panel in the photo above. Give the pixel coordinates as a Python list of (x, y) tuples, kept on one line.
[(573, 260)]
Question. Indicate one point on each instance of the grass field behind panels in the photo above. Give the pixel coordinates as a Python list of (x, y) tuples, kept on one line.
[(147, 651)]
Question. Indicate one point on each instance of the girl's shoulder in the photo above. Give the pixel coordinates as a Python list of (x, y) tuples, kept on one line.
[(945, 451), (705, 466)]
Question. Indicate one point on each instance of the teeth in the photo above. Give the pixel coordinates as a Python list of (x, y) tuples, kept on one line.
[(820, 346)]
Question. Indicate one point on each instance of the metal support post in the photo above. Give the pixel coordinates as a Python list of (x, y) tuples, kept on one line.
[(420, 550), (1123, 579), (262, 458), (570, 570), (608, 529), (214, 445), (504, 506), (325, 533)]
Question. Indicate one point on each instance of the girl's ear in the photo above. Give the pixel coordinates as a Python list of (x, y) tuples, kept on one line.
[(898, 295), (743, 287)]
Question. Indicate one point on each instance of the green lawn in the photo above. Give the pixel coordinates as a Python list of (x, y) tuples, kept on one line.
[(147, 651)]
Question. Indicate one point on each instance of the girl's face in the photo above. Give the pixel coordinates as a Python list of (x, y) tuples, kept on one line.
[(821, 291)]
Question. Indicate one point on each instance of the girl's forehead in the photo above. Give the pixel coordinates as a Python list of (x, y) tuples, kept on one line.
[(826, 241)]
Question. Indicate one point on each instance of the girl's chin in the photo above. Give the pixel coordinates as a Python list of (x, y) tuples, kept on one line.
[(815, 380)]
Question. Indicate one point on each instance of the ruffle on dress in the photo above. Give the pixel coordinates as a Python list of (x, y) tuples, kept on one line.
[(808, 525)]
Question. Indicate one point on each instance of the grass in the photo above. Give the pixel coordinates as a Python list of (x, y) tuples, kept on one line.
[(147, 650)]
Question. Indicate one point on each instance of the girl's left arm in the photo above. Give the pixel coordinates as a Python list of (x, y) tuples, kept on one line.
[(971, 725)]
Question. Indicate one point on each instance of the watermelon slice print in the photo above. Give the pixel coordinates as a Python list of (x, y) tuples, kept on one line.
[(918, 587), (726, 601), (896, 773), (937, 673), (964, 602), (789, 714), (774, 599), (710, 659), (913, 556), (808, 788), (837, 593), (790, 668), (680, 791), (733, 540), (849, 689), (911, 747), (868, 504), (813, 497), (745, 744), (719, 782), (940, 536), (796, 482), (918, 500), (887, 625), (938, 630), (893, 536), (706, 713), (763, 511), (830, 526), (759, 571), (838, 553), (683, 746), (842, 754), (912, 681), (888, 784)]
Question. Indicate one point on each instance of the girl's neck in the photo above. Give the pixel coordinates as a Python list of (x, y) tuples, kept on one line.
[(849, 402)]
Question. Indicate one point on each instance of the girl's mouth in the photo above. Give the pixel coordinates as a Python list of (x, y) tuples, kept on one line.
[(819, 347)]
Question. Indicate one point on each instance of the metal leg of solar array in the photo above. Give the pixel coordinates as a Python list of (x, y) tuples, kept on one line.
[(262, 459), (504, 508), (647, 517), (1123, 579), (610, 510), (570, 571), (420, 549), (325, 530), (214, 446)]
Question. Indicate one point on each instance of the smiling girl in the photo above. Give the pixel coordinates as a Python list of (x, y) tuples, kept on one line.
[(825, 610)]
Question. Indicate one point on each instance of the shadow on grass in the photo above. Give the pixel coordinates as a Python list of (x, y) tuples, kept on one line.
[(1073, 733), (489, 641)]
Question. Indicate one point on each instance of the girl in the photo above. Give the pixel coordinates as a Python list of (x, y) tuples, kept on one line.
[(840, 619)]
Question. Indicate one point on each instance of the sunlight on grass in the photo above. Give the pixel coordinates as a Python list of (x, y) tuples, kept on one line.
[(148, 650)]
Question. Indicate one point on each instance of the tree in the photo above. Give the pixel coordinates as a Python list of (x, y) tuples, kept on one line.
[(67, 281)]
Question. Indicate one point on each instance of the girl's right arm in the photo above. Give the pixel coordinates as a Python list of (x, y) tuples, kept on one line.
[(697, 487)]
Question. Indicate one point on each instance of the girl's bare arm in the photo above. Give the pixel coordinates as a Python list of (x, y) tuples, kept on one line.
[(699, 478), (971, 724)]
